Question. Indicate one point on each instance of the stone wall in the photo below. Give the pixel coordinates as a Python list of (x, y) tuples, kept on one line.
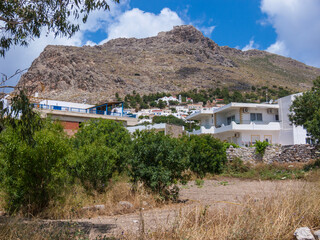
[(174, 130), (275, 153)]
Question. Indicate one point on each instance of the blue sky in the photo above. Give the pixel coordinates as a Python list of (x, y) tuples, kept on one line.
[(236, 21), (286, 27)]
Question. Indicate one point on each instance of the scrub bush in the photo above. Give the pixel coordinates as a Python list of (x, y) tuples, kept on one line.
[(101, 150), (33, 174), (207, 154), (261, 147), (159, 162)]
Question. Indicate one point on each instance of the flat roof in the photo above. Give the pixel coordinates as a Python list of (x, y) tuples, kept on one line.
[(245, 105), (106, 103), (233, 105)]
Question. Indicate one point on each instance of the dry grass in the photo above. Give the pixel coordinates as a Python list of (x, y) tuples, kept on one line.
[(77, 199), (78, 203), (274, 217)]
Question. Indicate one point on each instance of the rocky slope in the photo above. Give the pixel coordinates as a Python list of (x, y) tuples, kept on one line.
[(181, 59)]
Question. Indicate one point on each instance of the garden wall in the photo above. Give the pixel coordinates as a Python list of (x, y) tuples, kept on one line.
[(275, 153)]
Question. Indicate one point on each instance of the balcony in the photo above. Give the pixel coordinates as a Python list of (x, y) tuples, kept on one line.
[(250, 126), (81, 110)]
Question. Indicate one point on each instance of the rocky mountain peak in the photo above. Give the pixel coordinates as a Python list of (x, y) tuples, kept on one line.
[(178, 60), (184, 33)]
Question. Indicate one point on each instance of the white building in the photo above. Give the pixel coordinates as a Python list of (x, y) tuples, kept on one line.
[(4, 101), (60, 105), (246, 123), (167, 99)]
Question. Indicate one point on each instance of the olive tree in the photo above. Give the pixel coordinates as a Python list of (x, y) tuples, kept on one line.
[(23, 20), (306, 110)]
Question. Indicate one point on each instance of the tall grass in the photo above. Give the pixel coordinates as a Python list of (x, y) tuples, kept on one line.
[(274, 217), (76, 202)]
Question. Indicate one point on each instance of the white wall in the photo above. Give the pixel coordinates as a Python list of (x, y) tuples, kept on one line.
[(222, 117), (5, 101), (289, 133), (266, 117), (207, 121), (65, 104), (245, 136)]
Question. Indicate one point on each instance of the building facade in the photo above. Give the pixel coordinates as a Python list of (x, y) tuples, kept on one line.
[(246, 123)]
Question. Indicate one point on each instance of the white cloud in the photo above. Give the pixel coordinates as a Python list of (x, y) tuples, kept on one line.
[(297, 24), (19, 57), (90, 43), (118, 22), (279, 48), (250, 45), (140, 24), (207, 31)]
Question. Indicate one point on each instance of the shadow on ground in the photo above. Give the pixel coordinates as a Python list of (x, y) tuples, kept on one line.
[(18, 228)]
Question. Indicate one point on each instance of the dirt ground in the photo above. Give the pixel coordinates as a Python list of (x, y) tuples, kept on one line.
[(221, 193)]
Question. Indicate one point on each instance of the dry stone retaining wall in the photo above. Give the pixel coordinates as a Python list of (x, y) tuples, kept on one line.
[(275, 153)]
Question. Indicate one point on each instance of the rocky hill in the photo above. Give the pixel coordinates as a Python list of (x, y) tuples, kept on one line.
[(181, 59)]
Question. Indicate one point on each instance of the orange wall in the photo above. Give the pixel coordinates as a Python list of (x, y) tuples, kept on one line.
[(70, 125)]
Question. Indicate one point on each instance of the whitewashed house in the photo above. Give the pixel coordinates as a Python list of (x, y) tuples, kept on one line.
[(168, 99), (246, 123)]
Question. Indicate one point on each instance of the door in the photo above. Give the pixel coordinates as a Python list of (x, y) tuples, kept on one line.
[(268, 138), (255, 138)]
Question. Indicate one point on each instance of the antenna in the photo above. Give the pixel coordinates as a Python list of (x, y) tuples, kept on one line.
[(266, 94)]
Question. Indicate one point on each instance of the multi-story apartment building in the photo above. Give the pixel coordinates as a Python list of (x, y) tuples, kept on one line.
[(246, 123)]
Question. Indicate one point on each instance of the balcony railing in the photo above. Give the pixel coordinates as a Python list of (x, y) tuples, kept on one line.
[(81, 110), (248, 122), (262, 126)]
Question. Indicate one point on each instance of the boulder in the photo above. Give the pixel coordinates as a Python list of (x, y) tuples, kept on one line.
[(95, 207), (125, 205), (304, 233), (317, 234)]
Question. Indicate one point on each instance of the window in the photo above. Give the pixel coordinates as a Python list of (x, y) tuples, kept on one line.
[(230, 119), (256, 117), (268, 138), (277, 117), (255, 138)]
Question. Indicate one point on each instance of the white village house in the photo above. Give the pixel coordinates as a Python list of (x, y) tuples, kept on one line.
[(246, 123)]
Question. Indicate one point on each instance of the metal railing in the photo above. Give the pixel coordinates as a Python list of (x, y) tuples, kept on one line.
[(249, 122), (80, 110)]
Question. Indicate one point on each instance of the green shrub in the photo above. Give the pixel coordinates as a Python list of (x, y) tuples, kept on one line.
[(33, 174), (159, 162), (199, 183), (227, 145), (261, 147), (207, 154), (236, 166), (101, 151)]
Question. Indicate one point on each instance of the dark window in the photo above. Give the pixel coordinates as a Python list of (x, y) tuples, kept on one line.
[(277, 117), (230, 119), (256, 117)]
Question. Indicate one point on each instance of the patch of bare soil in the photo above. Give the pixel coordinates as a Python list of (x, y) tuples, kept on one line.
[(221, 193)]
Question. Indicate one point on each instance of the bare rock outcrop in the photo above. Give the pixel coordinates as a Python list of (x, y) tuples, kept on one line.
[(178, 60)]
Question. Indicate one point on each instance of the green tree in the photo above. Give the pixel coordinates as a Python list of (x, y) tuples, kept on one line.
[(33, 174), (153, 104), (159, 162), (305, 110), (144, 105), (237, 97), (21, 21), (101, 151), (207, 154), (161, 104), (168, 119)]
